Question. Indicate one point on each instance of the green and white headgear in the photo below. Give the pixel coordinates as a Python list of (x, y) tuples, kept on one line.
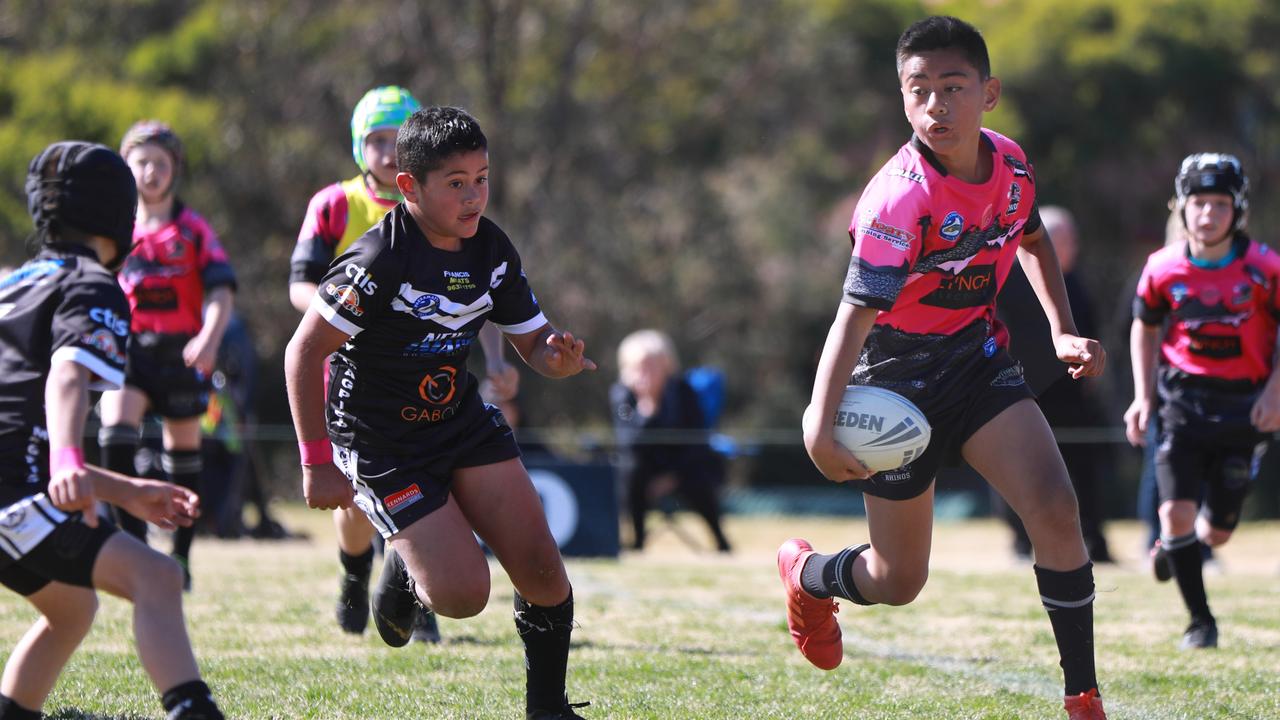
[(382, 108)]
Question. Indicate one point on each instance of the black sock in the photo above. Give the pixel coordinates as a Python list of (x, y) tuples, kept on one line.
[(10, 710), (827, 575), (545, 632), (191, 699), (1068, 596), (359, 565), (183, 468), (118, 444), (1187, 560)]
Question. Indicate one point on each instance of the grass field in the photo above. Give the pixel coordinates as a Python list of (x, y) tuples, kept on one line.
[(675, 634)]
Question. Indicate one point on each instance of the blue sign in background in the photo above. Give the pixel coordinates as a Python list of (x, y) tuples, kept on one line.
[(581, 504)]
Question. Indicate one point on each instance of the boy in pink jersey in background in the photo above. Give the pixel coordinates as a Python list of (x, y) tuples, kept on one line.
[(1214, 373), (934, 237), (180, 289)]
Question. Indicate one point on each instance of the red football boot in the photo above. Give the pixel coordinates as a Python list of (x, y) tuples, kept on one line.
[(812, 622), (1085, 706)]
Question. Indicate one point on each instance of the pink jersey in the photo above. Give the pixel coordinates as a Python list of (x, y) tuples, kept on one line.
[(169, 271), (931, 251), (1222, 317)]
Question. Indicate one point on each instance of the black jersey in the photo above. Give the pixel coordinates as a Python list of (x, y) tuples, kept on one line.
[(61, 305), (413, 311)]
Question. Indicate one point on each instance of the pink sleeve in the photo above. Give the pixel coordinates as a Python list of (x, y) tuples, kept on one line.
[(886, 236), (326, 218)]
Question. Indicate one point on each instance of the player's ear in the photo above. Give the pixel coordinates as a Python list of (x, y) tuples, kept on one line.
[(408, 186), (990, 94)]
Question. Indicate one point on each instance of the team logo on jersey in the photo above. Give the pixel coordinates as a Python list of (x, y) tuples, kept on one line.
[(1015, 198), (348, 296), (361, 278), (104, 342), (1178, 291), (439, 308), (397, 501), (870, 225), (952, 226), (175, 249), (1242, 293)]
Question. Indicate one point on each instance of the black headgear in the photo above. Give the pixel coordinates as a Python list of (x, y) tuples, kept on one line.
[(1213, 173), (90, 189)]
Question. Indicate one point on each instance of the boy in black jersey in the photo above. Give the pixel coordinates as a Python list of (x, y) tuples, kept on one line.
[(424, 457), (64, 323)]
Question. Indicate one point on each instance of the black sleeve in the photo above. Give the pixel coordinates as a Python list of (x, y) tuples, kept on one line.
[(515, 309), (360, 284), (91, 327)]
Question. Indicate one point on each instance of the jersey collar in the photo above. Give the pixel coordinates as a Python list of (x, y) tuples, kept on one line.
[(986, 142)]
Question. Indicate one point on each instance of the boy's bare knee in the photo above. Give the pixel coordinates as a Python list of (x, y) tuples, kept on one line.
[(459, 606), (903, 589)]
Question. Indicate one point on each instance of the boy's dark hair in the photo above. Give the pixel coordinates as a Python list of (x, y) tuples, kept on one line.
[(942, 32), (431, 135)]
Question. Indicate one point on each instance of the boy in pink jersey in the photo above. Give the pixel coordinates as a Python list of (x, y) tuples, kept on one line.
[(180, 289), (934, 237), (1219, 396)]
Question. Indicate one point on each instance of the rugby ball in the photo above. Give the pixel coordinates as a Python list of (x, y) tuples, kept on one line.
[(880, 427)]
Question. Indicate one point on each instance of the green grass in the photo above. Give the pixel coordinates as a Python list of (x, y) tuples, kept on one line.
[(676, 634)]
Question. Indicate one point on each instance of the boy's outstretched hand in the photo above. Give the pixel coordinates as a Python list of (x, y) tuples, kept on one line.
[(564, 355), (1085, 356), (164, 504)]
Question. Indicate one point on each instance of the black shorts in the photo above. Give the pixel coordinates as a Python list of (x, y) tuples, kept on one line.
[(396, 489), (960, 382), (156, 368), (1208, 448), (41, 544)]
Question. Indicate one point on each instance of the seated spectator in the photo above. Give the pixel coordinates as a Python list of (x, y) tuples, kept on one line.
[(663, 435)]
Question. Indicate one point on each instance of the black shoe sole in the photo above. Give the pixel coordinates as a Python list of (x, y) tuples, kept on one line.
[(394, 603)]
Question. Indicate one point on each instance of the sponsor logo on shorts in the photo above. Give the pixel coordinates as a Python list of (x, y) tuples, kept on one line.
[(871, 225), (347, 296), (890, 476), (989, 347), (1015, 198), (105, 343), (398, 501), (13, 517), (1009, 377), (952, 226), (361, 278)]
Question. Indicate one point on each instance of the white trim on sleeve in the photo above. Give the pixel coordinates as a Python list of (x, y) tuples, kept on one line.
[(332, 316), (527, 326), (110, 378)]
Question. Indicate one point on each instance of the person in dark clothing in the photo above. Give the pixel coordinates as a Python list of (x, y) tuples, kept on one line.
[(1065, 404), (662, 434)]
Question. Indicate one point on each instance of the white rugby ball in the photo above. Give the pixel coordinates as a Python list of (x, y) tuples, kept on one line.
[(880, 427)]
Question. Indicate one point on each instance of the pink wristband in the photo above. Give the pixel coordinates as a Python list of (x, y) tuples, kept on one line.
[(316, 452), (64, 459)]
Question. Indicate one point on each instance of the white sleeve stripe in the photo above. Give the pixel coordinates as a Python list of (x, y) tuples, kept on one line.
[(332, 316), (527, 326), (112, 378)]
